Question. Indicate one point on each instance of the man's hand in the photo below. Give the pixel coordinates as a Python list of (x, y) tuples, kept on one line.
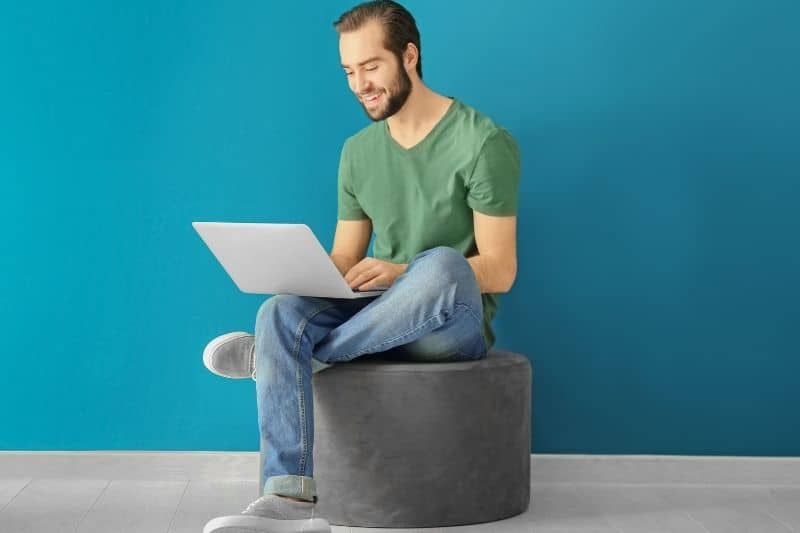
[(371, 273)]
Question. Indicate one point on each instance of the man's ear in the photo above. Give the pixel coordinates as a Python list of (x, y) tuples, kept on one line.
[(410, 57)]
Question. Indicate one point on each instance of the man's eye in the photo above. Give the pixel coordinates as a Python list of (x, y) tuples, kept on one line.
[(348, 73), (372, 68)]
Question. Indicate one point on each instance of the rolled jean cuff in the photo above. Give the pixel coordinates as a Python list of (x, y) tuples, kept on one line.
[(302, 487)]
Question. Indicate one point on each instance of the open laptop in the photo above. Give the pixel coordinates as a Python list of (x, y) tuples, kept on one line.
[(264, 258)]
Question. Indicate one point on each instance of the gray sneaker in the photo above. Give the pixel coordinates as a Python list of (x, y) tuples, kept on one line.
[(232, 355), (271, 514)]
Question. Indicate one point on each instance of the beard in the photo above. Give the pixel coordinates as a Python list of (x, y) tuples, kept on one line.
[(396, 100)]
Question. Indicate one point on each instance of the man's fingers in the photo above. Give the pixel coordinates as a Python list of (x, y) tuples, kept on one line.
[(354, 272), (357, 269), (364, 277), (377, 281)]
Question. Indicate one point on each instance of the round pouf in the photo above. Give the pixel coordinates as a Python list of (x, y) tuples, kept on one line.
[(413, 444)]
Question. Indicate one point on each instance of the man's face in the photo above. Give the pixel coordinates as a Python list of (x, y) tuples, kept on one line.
[(374, 74)]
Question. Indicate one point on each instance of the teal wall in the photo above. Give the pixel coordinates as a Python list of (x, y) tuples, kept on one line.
[(657, 294)]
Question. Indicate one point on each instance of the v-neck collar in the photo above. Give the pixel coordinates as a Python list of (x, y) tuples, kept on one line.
[(427, 137)]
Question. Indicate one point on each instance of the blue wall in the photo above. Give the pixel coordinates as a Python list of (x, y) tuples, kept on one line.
[(657, 294)]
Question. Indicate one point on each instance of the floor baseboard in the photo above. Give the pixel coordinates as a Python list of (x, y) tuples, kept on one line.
[(545, 468), (665, 469)]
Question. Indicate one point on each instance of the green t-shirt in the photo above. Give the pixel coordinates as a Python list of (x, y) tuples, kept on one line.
[(423, 197)]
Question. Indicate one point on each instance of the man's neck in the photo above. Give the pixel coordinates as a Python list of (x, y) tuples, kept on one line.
[(419, 114)]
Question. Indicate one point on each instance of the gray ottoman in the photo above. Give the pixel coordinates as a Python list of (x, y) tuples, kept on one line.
[(412, 444)]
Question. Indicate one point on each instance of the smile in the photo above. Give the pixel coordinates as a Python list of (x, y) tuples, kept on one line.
[(371, 99)]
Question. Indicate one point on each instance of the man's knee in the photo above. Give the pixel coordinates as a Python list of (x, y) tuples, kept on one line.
[(444, 262)]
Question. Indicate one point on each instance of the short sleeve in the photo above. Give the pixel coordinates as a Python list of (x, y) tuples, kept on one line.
[(493, 185), (348, 207)]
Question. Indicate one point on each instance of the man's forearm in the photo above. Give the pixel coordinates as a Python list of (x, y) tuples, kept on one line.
[(343, 264), (491, 276)]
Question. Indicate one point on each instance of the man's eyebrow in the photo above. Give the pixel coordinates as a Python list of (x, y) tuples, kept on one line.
[(374, 58)]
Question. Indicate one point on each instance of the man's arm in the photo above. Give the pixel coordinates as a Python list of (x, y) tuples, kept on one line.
[(350, 243), (495, 265)]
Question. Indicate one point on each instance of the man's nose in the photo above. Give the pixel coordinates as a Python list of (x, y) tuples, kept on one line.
[(362, 84)]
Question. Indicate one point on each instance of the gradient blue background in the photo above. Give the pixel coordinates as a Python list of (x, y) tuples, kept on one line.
[(657, 294)]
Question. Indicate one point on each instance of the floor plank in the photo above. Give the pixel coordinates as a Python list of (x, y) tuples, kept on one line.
[(785, 506), (42, 505), (639, 509), (50, 505), (204, 500), (726, 509), (134, 506), (564, 507), (10, 487)]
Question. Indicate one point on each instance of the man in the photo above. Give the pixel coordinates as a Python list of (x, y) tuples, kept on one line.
[(437, 182)]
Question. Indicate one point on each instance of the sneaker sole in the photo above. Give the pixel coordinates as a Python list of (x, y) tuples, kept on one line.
[(260, 524), (215, 344)]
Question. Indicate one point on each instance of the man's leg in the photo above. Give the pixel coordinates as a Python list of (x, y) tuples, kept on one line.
[(287, 327), (434, 308), (431, 312)]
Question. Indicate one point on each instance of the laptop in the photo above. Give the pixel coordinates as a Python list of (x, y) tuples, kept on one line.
[(264, 258)]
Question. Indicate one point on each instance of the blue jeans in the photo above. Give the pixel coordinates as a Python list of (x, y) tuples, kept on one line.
[(432, 312)]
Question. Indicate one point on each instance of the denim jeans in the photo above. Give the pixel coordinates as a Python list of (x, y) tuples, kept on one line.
[(432, 312)]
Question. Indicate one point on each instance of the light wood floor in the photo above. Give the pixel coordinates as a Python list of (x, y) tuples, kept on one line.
[(56, 505)]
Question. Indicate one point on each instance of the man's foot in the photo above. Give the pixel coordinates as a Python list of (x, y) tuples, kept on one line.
[(231, 355), (271, 514)]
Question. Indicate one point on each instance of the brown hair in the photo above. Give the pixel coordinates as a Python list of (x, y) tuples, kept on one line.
[(398, 25)]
